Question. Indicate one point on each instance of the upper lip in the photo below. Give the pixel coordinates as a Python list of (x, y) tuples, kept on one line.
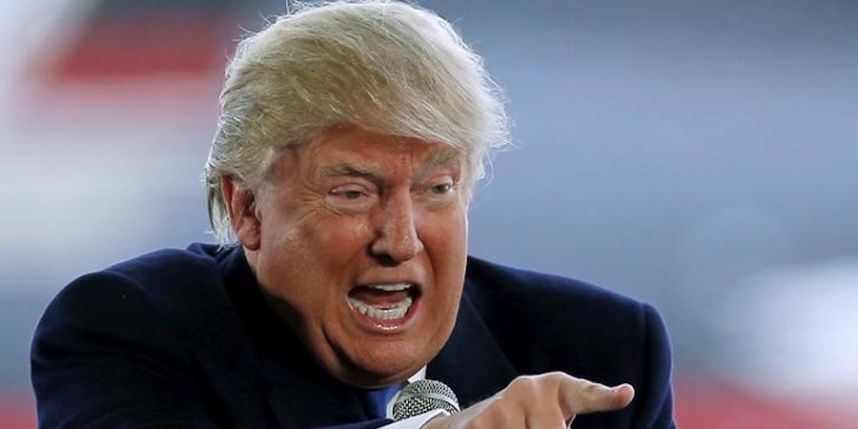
[(388, 281)]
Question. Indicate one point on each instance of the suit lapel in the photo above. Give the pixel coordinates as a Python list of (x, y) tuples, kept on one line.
[(471, 362)]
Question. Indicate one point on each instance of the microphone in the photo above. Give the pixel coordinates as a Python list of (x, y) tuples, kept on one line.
[(423, 396)]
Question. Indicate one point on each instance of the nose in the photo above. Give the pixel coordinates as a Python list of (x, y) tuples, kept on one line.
[(396, 225)]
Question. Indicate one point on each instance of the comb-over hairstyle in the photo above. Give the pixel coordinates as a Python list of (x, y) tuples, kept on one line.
[(385, 66)]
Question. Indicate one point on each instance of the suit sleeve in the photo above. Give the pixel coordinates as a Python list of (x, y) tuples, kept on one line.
[(656, 409), (102, 357)]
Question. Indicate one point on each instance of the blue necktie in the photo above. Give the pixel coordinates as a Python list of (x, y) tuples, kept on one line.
[(375, 400)]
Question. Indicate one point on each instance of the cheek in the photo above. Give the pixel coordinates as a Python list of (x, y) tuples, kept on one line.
[(317, 236), (342, 235), (446, 240), (336, 250), (308, 259), (451, 228)]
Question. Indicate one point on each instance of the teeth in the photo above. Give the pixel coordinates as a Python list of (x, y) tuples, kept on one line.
[(398, 310), (395, 287)]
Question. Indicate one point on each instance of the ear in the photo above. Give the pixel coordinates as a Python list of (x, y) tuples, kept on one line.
[(243, 217)]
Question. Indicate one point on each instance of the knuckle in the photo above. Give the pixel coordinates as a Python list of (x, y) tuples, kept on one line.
[(525, 384), (558, 375), (557, 378), (521, 381)]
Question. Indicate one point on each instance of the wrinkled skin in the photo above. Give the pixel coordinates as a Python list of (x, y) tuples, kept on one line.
[(351, 208)]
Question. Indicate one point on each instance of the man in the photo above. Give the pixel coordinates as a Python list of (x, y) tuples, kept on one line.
[(350, 139)]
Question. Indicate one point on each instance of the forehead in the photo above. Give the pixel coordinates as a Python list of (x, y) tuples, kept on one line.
[(357, 147)]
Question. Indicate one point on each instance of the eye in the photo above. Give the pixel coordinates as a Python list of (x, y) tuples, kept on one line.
[(442, 188), (351, 198), (350, 194)]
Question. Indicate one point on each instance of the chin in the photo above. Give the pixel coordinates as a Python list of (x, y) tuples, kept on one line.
[(380, 366)]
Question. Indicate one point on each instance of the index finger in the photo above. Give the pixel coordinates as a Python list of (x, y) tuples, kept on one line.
[(579, 396)]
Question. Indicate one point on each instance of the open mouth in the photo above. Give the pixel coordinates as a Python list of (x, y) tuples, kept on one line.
[(384, 304)]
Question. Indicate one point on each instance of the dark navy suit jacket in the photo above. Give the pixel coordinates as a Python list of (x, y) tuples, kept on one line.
[(184, 339)]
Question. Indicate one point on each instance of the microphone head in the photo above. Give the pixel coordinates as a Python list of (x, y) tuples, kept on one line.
[(423, 396)]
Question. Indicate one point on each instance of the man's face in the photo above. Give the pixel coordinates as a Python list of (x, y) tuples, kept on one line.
[(361, 241)]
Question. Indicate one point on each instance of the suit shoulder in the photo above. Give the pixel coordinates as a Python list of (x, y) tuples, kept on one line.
[(168, 262), (126, 335), (514, 284), (546, 322), (153, 282)]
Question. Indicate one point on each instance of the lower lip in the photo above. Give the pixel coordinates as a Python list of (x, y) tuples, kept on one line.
[(387, 326)]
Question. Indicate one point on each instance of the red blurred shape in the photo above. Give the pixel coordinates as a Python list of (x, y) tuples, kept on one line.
[(150, 44), (705, 403), (17, 411)]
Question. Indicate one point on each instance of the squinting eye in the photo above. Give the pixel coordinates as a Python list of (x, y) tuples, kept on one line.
[(351, 198), (442, 188), (351, 195)]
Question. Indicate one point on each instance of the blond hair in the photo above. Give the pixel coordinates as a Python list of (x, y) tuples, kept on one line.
[(386, 66)]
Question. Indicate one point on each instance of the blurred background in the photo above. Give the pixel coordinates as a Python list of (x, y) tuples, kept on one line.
[(700, 155)]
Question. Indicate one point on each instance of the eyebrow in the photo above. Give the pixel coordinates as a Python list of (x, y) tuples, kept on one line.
[(346, 169), (375, 172)]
